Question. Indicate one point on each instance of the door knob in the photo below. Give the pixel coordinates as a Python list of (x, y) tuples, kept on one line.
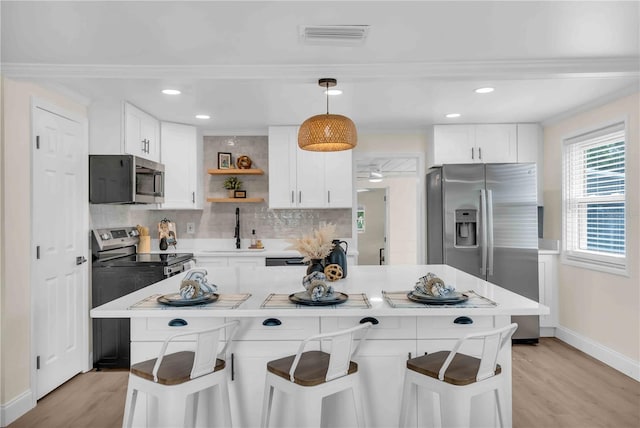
[(80, 260)]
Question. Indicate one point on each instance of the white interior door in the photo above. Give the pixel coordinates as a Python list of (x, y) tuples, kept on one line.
[(59, 238)]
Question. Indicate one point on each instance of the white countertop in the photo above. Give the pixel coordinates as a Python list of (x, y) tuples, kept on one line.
[(226, 248), (261, 281)]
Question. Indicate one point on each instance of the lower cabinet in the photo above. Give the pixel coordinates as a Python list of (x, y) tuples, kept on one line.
[(224, 261), (381, 363)]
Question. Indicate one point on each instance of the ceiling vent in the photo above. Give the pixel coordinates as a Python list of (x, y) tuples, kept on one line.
[(334, 34)]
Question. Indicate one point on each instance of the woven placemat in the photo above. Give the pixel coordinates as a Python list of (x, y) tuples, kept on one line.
[(399, 299), (280, 301), (225, 301)]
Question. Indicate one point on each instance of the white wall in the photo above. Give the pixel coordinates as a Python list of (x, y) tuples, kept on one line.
[(599, 312), (15, 345)]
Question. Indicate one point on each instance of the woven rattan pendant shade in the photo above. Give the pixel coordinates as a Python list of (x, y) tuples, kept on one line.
[(327, 132)]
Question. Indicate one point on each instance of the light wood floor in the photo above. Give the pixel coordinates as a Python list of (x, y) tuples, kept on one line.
[(554, 385)]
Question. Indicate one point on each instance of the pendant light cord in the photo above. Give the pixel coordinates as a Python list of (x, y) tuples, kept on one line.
[(326, 91)]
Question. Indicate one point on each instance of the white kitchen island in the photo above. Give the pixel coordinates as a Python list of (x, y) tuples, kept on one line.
[(269, 332)]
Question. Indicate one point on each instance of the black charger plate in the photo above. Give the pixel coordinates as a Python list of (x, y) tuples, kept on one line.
[(432, 300), (303, 298)]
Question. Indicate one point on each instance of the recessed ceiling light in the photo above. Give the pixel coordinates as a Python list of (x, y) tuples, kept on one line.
[(171, 92), (203, 116), (333, 92), (452, 115), (484, 90)]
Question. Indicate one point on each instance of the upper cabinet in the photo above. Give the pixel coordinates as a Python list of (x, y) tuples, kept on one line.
[(486, 143), (179, 154), (304, 179), (117, 127), (142, 133)]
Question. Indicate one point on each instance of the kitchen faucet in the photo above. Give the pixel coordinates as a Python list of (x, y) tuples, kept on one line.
[(237, 234)]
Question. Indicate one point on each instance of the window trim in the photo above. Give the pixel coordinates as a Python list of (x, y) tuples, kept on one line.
[(617, 265)]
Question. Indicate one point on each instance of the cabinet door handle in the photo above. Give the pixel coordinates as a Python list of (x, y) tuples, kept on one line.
[(479, 152), (193, 197), (271, 322), (233, 367), (177, 322), (372, 320), (329, 196), (472, 153), (292, 197), (463, 320), (300, 196)]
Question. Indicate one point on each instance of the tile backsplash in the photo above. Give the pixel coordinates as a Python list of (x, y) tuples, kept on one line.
[(217, 220)]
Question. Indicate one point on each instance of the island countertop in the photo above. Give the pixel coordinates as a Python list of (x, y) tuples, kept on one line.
[(260, 282)]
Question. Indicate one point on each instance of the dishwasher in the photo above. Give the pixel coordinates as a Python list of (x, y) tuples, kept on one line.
[(284, 261)]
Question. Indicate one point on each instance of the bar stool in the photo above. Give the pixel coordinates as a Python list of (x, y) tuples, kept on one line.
[(457, 377), (172, 378), (310, 376)]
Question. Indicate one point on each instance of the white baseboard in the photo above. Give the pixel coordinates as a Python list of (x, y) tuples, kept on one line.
[(15, 408), (547, 332), (612, 358)]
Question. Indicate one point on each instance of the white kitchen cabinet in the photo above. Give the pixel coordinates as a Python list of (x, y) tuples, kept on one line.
[(179, 155), (259, 341), (548, 292), (225, 261), (468, 143), (381, 362), (304, 179), (142, 133), (530, 149)]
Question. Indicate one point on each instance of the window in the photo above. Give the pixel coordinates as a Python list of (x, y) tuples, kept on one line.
[(594, 199)]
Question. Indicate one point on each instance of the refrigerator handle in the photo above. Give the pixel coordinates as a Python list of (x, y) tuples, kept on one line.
[(483, 240), (490, 233)]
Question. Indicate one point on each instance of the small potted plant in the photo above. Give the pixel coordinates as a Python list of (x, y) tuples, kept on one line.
[(232, 184)]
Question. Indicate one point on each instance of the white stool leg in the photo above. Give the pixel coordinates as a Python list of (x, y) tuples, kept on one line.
[(267, 400), (455, 409), (130, 404), (407, 396), (502, 405), (172, 408), (309, 410), (357, 403), (226, 404)]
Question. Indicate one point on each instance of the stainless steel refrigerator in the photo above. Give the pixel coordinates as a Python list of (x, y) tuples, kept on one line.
[(483, 219)]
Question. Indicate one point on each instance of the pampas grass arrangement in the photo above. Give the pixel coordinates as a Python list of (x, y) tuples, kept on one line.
[(316, 245)]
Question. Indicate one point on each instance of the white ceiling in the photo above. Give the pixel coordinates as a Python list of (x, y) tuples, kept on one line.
[(244, 64)]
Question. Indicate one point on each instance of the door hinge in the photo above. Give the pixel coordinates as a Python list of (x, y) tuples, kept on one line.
[(37, 142), (38, 252), (38, 362)]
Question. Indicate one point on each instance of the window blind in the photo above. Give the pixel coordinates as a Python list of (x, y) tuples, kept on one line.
[(594, 195)]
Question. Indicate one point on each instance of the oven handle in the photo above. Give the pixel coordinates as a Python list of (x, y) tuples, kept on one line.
[(176, 269)]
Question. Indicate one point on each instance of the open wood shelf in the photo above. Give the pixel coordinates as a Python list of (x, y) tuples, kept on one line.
[(236, 200), (236, 171)]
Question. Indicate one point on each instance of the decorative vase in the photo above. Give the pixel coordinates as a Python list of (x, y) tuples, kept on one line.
[(230, 193), (338, 256), (315, 265)]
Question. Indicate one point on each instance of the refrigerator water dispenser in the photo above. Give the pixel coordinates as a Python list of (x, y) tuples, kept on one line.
[(466, 222)]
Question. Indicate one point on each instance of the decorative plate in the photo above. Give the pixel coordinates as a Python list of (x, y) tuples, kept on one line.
[(175, 299), (452, 299), (303, 298)]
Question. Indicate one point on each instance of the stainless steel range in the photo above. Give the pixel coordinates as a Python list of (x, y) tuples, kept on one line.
[(118, 270)]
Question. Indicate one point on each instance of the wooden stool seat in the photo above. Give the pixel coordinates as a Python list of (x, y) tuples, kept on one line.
[(462, 370), (175, 368), (312, 368)]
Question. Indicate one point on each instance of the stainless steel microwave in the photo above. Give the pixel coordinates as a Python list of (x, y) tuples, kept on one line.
[(125, 179)]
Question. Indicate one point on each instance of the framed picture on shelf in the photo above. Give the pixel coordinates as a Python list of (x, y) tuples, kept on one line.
[(224, 160), (239, 193)]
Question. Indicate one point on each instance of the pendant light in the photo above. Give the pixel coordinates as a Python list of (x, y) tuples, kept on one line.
[(327, 132)]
